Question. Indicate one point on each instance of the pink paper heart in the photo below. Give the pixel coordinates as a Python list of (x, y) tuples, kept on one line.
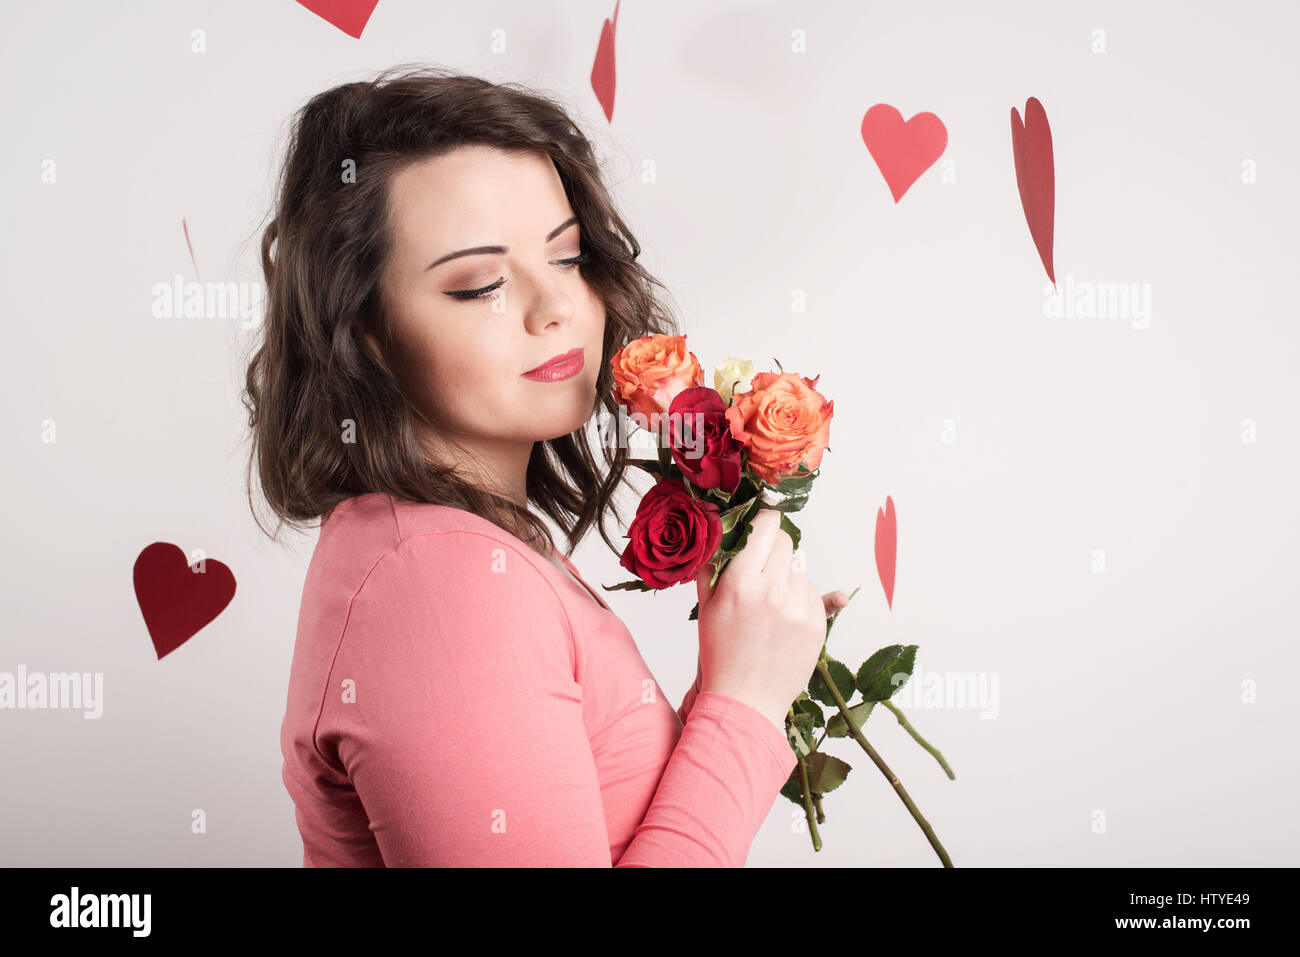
[(350, 16), (602, 69), (903, 151), (886, 547)]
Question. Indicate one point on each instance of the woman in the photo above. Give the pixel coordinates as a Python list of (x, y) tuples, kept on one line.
[(458, 695)]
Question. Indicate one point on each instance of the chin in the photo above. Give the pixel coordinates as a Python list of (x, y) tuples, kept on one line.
[(567, 406), (547, 424)]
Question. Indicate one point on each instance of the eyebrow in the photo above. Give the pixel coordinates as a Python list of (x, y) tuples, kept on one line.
[(498, 250)]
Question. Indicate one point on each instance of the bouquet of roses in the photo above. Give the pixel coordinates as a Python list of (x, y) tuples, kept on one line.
[(751, 441)]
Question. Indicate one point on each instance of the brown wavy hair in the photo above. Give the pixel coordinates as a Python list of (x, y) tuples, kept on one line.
[(322, 255)]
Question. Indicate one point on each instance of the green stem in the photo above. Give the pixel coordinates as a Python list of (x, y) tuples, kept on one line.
[(919, 740), (856, 731), (807, 798), (830, 623)]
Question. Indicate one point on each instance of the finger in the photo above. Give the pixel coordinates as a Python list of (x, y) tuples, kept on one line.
[(780, 557), (833, 601), (752, 557)]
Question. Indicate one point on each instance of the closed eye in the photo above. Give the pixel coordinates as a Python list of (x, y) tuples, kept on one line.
[(486, 291)]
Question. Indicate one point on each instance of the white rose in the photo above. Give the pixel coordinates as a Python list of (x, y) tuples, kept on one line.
[(733, 375)]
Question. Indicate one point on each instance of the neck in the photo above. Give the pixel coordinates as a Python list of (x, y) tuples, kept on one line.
[(501, 466)]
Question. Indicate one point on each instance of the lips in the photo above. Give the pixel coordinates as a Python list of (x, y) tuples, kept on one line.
[(556, 360)]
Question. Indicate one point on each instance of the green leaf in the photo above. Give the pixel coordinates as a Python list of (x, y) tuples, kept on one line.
[(731, 516), (719, 497), (791, 503), (791, 529), (793, 788), (793, 490), (734, 540), (634, 585), (745, 491), (797, 739), (798, 481), (842, 677), (837, 727), (877, 676), (806, 705), (826, 772), (806, 723)]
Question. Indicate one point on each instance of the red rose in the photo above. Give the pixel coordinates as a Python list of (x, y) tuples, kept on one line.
[(672, 535), (697, 420)]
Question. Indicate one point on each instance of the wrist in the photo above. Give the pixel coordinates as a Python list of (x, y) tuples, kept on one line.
[(778, 720)]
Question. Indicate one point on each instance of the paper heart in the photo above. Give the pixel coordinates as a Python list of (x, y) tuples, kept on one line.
[(177, 599), (886, 547), (903, 151), (1031, 145), (190, 246), (350, 16), (602, 69)]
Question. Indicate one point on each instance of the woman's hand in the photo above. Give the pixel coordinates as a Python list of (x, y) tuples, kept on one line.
[(832, 601)]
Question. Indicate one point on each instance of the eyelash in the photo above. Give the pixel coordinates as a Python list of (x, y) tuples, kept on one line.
[(486, 291)]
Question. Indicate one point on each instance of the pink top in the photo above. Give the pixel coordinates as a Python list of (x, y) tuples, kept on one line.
[(457, 700)]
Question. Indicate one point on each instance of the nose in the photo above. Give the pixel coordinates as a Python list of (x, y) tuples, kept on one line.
[(546, 300)]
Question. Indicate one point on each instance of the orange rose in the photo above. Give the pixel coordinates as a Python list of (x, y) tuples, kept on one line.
[(781, 420), (649, 373)]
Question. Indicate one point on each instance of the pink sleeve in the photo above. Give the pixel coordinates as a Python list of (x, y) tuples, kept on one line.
[(465, 739), (716, 790)]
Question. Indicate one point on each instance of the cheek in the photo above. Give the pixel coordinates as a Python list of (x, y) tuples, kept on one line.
[(457, 369), (596, 306)]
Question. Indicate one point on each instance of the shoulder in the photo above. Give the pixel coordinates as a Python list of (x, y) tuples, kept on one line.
[(458, 539), (451, 573), (362, 531)]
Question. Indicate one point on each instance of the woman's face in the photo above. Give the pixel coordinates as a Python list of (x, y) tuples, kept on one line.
[(466, 356)]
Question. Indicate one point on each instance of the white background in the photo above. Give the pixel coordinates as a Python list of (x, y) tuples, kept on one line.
[(1119, 691)]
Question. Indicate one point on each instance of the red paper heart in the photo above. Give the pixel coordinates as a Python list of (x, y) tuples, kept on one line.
[(350, 16), (903, 151), (602, 70), (177, 599), (886, 547), (1031, 144)]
